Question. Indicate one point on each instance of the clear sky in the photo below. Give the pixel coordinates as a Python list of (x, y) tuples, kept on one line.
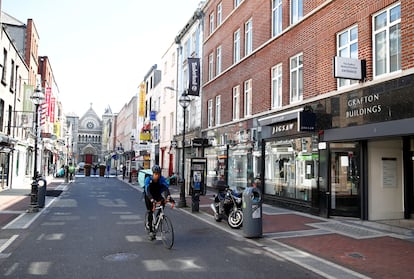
[(100, 50)]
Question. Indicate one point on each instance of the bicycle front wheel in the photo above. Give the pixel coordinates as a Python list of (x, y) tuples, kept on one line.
[(167, 232)]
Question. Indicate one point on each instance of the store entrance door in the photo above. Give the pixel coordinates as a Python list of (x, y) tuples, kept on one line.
[(345, 180)]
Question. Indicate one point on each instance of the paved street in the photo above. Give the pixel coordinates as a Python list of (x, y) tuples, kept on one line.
[(94, 229)]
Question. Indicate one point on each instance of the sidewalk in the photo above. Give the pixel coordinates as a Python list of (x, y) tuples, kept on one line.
[(372, 249), (14, 202)]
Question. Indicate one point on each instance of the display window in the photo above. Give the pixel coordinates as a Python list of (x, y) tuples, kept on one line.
[(291, 167)]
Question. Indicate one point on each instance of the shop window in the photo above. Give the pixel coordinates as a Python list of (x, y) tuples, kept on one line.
[(240, 167), (291, 168)]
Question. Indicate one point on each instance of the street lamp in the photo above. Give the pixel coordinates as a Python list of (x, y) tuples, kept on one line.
[(184, 101), (132, 139), (37, 99)]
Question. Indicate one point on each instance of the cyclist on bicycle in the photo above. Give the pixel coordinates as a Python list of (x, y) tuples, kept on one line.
[(155, 186)]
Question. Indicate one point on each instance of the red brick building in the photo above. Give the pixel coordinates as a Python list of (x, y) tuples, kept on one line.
[(312, 99)]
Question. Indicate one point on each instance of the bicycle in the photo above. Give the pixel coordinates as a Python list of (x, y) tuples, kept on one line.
[(161, 223)]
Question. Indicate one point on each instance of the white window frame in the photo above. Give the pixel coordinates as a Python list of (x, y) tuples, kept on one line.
[(277, 16), (248, 98), (347, 49), (236, 102), (219, 14), (237, 3), (236, 46), (296, 84), (296, 11), (210, 67), (210, 113), (218, 110), (276, 86), (386, 28), (212, 23), (248, 37), (218, 60)]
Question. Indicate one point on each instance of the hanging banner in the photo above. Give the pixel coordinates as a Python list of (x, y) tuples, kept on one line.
[(141, 109), (28, 92), (52, 109), (48, 95), (194, 76)]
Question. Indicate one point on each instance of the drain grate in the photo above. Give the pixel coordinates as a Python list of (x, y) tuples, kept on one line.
[(121, 257)]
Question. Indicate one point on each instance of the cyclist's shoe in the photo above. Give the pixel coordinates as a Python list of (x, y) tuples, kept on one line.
[(151, 236)]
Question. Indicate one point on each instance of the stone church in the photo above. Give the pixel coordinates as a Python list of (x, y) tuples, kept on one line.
[(88, 139)]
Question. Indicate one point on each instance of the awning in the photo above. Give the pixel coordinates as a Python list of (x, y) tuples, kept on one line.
[(281, 117)]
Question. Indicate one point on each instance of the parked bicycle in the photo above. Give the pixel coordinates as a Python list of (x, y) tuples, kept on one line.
[(161, 224)]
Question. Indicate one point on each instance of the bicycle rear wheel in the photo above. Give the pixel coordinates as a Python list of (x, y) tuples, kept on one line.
[(167, 232)]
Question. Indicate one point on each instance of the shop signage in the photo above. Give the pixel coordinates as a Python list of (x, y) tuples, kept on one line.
[(194, 76), (307, 121), (153, 115), (145, 136), (349, 68), (142, 99), (282, 128), (364, 105)]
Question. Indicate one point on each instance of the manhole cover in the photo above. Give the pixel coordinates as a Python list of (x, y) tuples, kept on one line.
[(356, 255), (120, 257)]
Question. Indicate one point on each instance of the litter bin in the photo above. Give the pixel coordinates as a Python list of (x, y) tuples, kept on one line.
[(252, 212), (41, 192)]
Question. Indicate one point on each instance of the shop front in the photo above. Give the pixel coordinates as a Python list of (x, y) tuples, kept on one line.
[(369, 151), (357, 163), (290, 161), (234, 157)]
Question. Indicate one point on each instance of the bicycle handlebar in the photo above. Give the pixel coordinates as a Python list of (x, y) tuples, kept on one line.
[(159, 204)]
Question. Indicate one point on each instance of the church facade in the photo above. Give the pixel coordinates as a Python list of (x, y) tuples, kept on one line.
[(87, 139)]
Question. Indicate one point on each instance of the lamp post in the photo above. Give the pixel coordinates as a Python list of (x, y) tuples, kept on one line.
[(184, 101), (132, 139), (67, 159), (37, 99)]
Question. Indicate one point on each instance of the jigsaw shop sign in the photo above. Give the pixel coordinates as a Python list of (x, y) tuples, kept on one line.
[(194, 76)]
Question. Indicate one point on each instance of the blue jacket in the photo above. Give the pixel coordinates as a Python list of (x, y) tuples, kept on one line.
[(154, 190)]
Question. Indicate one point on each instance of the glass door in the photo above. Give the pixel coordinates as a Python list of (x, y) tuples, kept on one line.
[(345, 178)]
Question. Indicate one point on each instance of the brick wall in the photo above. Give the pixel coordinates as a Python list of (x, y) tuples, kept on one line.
[(315, 37)]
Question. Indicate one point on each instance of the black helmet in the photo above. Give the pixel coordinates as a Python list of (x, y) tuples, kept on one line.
[(156, 169)]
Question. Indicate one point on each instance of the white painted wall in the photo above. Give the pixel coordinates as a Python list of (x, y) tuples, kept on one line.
[(384, 202)]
